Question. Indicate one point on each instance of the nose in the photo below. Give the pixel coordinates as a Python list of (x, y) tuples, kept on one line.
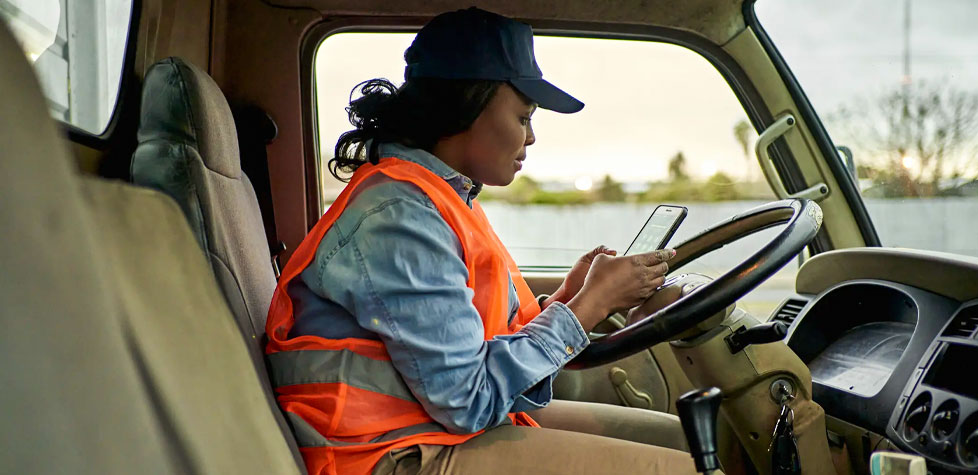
[(530, 137)]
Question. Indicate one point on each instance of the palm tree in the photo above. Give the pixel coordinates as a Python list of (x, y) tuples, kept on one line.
[(742, 131)]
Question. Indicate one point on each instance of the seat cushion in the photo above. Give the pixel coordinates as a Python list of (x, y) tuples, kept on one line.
[(183, 337)]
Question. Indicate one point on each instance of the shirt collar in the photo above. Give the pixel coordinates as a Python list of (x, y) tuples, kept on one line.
[(466, 188)]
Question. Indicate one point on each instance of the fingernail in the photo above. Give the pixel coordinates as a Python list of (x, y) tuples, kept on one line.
[(672, 253)]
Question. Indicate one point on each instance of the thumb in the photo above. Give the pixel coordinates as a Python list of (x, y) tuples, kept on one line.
[(592, 253)]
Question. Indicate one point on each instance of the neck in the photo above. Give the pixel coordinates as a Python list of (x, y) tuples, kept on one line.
[(448, 150)]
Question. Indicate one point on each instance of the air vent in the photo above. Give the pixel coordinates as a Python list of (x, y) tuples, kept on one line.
[(789, 311), (964, 323)]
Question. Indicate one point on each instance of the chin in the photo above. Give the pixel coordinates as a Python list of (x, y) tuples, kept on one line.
[(500, 181)]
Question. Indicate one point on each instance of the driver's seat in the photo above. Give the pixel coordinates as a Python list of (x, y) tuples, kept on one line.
[(188, 149)]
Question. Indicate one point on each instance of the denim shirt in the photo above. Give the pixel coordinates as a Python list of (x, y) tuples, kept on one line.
[(391, 269)]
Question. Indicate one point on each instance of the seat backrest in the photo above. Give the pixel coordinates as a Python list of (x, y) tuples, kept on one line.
[(188, 149), (120, 352)]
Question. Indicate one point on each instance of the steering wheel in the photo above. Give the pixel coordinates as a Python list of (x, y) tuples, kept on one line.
[(803, 218)]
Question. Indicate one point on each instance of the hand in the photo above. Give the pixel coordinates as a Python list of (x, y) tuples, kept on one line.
[(575, 278), (617, 283)]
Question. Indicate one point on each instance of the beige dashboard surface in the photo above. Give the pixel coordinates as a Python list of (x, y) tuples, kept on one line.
[(951, 275)]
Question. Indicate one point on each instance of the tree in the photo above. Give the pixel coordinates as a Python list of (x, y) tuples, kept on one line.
[(609, 190), (677, 168), (914, 137), (522, 190), (720, 187), (742, 132)]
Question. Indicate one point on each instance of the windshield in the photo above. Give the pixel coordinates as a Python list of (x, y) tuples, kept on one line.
[(896, 83)]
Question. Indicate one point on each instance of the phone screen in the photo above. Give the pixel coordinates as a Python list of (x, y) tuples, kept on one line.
[(658, 229)]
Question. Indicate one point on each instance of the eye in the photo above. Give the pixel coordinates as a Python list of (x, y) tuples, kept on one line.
[(524, 120)]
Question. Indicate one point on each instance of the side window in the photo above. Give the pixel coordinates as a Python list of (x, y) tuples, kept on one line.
[(77, 48), (660, 126), (901, 93)]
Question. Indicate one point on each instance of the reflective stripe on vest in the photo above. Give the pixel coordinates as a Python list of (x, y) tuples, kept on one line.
[(346, 401), (289, 368)]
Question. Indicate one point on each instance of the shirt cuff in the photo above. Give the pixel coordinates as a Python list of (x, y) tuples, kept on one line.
[(558, 332), (537, 397)]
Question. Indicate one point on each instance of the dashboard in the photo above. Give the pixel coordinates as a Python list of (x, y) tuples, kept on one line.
[(891, 339)]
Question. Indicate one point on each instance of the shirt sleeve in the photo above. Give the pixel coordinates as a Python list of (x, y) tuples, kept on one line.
[(412, 293)]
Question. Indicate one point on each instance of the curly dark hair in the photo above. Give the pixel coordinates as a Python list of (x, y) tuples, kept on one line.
[(418, 114)]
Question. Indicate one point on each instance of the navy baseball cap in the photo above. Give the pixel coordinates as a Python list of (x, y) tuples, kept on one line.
[(476, 44)]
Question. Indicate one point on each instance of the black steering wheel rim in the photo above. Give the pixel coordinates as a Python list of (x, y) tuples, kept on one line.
[(803, 218)]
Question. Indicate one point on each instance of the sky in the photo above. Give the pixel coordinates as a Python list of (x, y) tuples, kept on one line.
[(646, 101), (863, 45), (861, 57)]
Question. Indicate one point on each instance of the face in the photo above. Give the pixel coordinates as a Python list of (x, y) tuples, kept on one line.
[(492, 150)]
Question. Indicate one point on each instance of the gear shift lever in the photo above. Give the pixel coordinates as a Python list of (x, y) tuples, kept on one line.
[(698, 415)]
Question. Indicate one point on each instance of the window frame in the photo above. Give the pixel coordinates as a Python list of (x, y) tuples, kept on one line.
[(847, 185), (731, 72)]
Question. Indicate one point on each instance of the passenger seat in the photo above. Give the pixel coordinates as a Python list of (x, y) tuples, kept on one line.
[(120, 354)]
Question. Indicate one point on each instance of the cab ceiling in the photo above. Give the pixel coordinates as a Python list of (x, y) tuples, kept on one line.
[(717, 20)]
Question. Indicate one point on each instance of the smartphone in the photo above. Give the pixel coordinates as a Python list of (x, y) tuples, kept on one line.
[(658, 229)]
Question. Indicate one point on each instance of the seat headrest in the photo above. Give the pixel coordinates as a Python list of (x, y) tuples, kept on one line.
[(182, 104)]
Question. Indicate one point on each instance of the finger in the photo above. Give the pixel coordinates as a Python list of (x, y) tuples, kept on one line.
[(655, 257), (666, 254), (660, 269), (652, 286)]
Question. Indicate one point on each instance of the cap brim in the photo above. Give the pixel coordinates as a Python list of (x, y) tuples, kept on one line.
[(547, 95)]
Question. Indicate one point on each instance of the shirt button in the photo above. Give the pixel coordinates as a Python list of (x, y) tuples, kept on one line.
[(569, 350), (467, 186)]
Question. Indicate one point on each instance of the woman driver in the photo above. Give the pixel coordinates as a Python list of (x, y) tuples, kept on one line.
[(402, 337)]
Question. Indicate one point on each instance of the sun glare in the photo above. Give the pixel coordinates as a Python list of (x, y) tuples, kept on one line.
[(708, 168), (583, 183), (909, 162)]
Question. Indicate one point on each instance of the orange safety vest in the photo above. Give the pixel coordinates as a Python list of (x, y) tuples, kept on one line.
[(347, 403)]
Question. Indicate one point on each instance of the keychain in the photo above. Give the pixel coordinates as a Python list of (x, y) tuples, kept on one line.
[(784, 446)]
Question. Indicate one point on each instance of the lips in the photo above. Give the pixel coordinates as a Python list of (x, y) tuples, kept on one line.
[(519, 162)]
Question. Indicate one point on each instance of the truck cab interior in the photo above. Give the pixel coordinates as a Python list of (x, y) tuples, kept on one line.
[(156, 178)]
